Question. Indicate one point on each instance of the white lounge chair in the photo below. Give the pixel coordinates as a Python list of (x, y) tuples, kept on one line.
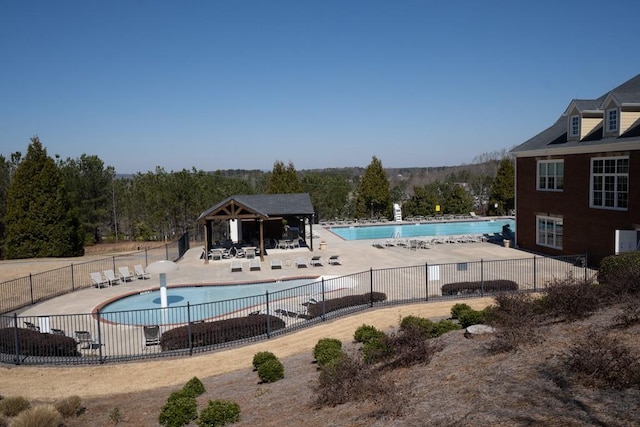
[(254, 264), (111, 277), (301, 263), (334, 260), (276, 264), (98, 280), (125, 274), (236, 265), (315, 261), (140, 273)]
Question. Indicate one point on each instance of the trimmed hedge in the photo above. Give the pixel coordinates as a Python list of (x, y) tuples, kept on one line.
[(34, 343), (464, 288), (315, 310), (327, 350), (222, 331)]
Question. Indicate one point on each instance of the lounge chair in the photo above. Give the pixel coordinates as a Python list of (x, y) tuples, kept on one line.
[(215, 254), (86, 341), (276, 264), (111, 277), (254, 264), (56, 331), (31, 326), (301, 263), (98, 280), (125, 274), (140, 273), (151, 335), (315, 261), (236, 265), (334, 260)]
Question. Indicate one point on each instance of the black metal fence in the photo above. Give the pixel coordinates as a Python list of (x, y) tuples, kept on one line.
[(107, 337), (34, 288)]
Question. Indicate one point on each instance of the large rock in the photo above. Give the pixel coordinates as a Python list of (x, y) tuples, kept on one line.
[(474, 330)]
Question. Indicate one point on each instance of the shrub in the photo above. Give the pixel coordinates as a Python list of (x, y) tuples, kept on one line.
[(621, 273), (271, 371), (193, 387), (459, 308), (38, 416), (4, 421), (444, 326), (179, 410), (366, 333), (515, 319), (316, 310), (69, 406), (115, 416), (377, 350), (34, 343), (326, 350), (12, 406), (260, 357), (464, 288), (219, 413), (410, 347), (418, 324), (630, 313), (571, 299), (219, 332), (601, 360), (471, 317)]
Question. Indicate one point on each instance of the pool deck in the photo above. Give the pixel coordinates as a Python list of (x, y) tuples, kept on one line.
[(355, 256)]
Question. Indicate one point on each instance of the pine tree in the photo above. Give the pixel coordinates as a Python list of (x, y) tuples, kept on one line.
[(374, 197), (39, 219), (284, 179), (502, 198)]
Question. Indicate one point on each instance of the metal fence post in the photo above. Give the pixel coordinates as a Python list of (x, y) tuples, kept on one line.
[(371, 287), (535, 277), (323, 301), (266, 296), (585, 267), (481, 277), (189, 338), (31, 287), (16, 340), (426, 280), (73, 284), (166, 251), (146, 257), (114, 263), (99, 337)]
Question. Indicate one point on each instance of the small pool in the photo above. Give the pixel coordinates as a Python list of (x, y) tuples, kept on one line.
[(144, 308), (452, 228)]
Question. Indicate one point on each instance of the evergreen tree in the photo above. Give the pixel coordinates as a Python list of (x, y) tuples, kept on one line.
[(374, 197), (39, 219), (284, 179), (503, 189)]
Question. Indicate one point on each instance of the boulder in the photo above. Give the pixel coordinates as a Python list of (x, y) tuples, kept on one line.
[(474, 330)]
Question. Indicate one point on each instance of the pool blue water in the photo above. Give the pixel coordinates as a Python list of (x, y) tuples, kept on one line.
[(455, 228), (145, 309)]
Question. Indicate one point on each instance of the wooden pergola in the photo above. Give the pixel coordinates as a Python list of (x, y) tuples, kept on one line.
[(260, 208)]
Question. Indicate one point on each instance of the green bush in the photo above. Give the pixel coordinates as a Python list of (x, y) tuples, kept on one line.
[(366, 333), (377, 350), (326, 350), (459, 308), (419, 324), (179, 410), (38, 416), (443, 326), (471, 317), (271, 371), (194, 387), (69, 406), (12, 406), (621, 271), (219, 413), (260, 357)]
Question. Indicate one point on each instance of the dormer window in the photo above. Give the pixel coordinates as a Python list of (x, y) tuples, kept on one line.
[(612, 120), (574, 128)]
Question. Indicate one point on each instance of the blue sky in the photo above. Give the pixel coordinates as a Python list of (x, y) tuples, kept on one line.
[(241, 84)]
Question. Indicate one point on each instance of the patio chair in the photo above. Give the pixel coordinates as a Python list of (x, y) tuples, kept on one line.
[(315, 261), (125, 274), (111, 277), (254, 264), (31, 326), (151, 335), (334, 260), (56, 331), (236, 265), (98, 280), (140, 273), (301, 263), (276, 264), (86, 341)]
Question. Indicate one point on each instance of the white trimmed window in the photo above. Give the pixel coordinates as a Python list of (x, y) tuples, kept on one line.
[(574, 128), (610, 183), (612, 120), (551, 175), (549, 231)]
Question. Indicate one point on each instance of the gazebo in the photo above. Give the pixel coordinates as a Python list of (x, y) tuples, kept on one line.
[(261, 213)]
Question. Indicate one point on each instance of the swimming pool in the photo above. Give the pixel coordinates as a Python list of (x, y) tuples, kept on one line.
[(453, 228), (144, 308)]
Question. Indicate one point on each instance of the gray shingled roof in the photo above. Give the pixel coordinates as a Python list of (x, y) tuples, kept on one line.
[(555, 136), (269, 204)]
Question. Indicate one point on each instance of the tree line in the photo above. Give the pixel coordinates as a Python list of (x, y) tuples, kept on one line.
[(54, 207)]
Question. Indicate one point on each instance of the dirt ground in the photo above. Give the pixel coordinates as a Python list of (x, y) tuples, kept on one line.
[(463, 385)]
